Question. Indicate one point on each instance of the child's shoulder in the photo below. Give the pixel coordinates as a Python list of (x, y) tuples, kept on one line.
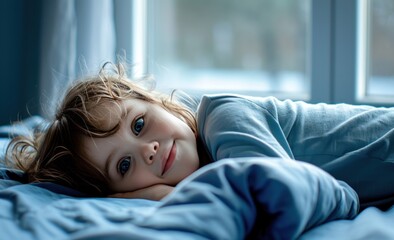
[(236, 101), (228, 97)]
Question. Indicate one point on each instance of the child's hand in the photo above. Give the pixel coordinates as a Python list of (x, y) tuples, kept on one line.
[(154, 192)]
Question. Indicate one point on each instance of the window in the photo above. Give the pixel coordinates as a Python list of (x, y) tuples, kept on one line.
[(318, 51), (254, 47), (378, 26)]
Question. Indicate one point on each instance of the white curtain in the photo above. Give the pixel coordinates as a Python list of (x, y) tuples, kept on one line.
[(78, 36)]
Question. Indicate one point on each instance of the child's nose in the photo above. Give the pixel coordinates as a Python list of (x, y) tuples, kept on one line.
[(149, 151)]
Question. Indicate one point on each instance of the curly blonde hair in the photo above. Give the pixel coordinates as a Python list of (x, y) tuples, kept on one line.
[(54, 154)]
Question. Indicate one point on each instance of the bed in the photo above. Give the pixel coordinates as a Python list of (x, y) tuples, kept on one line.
[(235, 198)]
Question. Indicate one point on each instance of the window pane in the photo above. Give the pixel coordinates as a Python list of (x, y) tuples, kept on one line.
[(244, 46), (380, 78)]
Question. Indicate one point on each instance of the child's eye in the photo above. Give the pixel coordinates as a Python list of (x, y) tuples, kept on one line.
[(124, 165), (137, 126)]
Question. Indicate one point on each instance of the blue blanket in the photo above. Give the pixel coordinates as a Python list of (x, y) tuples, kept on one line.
[(230, 199), (234, 198)]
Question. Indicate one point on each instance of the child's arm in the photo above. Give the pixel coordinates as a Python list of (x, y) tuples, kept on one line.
[(154, 192), (353, 143)]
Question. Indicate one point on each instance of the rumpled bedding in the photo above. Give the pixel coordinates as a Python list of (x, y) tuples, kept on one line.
[(236, 197), (231, 199)]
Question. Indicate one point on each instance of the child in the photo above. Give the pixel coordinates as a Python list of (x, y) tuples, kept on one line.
[(111, 137)]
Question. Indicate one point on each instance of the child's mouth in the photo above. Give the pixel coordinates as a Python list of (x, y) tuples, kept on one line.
[(170, 159)]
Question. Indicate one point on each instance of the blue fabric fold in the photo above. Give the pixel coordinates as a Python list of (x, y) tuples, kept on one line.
[(285, 197), (353, 143)]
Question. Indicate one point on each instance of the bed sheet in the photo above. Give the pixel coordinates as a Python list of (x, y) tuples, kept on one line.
[(371, 223), (230, 199), (265, 198), (222, 212)]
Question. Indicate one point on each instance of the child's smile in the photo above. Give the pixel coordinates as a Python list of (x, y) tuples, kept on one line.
[(167, 162)]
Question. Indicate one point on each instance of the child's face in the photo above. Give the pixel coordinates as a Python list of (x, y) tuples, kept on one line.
[(152, 146)]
